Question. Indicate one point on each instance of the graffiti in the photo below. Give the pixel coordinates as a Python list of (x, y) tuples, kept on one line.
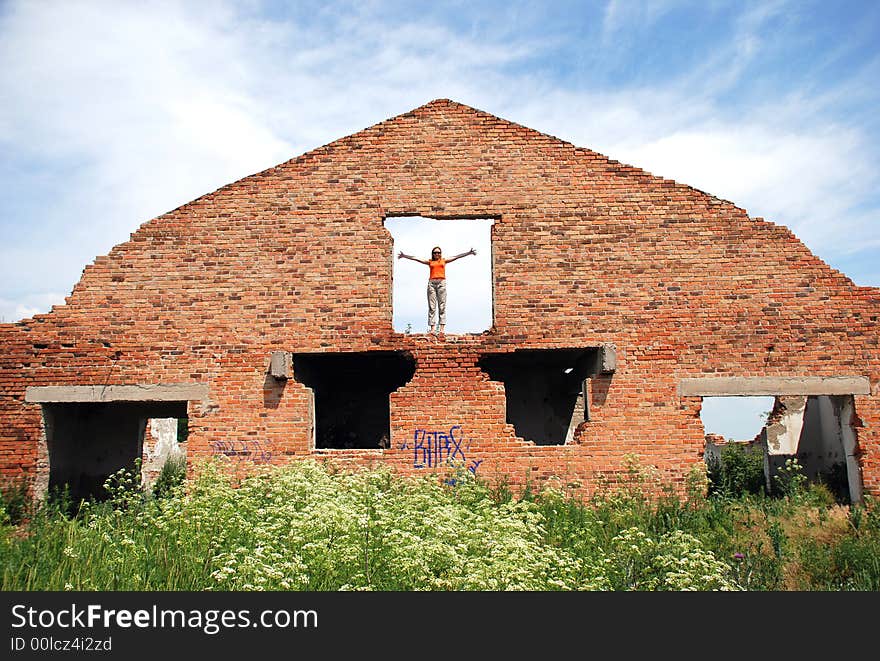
[(433, 448), (242, 450)]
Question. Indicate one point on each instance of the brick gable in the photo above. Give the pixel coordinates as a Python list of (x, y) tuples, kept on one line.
[(587, 253)]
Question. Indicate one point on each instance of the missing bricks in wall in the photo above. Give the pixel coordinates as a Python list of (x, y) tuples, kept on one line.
[(544, 390), (351, 395)]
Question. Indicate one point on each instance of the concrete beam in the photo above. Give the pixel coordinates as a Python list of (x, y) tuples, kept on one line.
[(607, 359), (280, 366), (744, 386), (170, 392)]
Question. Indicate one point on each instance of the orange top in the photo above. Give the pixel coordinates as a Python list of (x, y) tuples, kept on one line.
[(438, 269)]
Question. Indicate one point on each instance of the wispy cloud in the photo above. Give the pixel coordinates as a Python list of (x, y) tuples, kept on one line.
[(623, 16)]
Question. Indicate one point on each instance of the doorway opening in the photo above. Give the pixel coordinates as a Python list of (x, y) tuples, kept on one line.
[(89, 441), (816, 430)]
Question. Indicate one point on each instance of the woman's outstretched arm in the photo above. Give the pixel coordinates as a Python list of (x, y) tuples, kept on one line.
[(464, 254), (415, 259)]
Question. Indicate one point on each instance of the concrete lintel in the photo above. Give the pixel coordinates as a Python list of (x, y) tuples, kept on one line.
[(170, 392), (742, 386)]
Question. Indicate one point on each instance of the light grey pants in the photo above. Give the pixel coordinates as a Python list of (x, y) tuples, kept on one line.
[(436, 296)]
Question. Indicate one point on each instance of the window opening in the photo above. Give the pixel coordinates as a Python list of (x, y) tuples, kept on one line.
[(544, 390), (469, 306), (351, 395)]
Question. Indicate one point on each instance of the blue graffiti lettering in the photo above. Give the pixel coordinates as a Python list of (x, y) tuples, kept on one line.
[(433, 448), (418, 444), (456, 444)]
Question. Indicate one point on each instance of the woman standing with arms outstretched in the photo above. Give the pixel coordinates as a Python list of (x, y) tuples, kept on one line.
[(437, 285)]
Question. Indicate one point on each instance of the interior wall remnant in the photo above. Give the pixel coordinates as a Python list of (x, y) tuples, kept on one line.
[(545, 390), (850, 450), (89, 441), (351, 395), (817, 431), (161, 443), (827, 444), (784, 425)]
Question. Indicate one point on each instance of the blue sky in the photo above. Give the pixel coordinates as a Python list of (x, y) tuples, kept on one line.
[(114, 112)]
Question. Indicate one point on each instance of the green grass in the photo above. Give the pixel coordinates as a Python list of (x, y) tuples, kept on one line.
[(308, 527)]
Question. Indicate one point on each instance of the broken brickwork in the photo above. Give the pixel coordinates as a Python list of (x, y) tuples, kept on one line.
[(645, 281)]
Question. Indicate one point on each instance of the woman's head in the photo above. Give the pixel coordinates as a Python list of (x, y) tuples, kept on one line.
[(436, 253)]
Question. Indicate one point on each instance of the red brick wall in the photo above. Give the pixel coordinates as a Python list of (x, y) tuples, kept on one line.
[(585, 251)]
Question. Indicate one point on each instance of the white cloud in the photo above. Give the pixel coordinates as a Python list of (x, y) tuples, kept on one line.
[(624, 16), (783, 161), (808, 182), (27, 306)]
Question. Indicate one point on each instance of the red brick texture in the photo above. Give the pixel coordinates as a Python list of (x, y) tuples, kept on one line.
[(586, 251)]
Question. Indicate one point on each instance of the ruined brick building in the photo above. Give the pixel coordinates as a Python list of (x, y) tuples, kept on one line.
[(262, 313)]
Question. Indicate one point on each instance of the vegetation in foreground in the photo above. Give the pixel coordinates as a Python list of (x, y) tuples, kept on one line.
[(308, 527)]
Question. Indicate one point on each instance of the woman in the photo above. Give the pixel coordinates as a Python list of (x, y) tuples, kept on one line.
[(437, 284)]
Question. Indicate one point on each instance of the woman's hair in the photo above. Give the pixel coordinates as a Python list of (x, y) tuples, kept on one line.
[(437, 249)]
